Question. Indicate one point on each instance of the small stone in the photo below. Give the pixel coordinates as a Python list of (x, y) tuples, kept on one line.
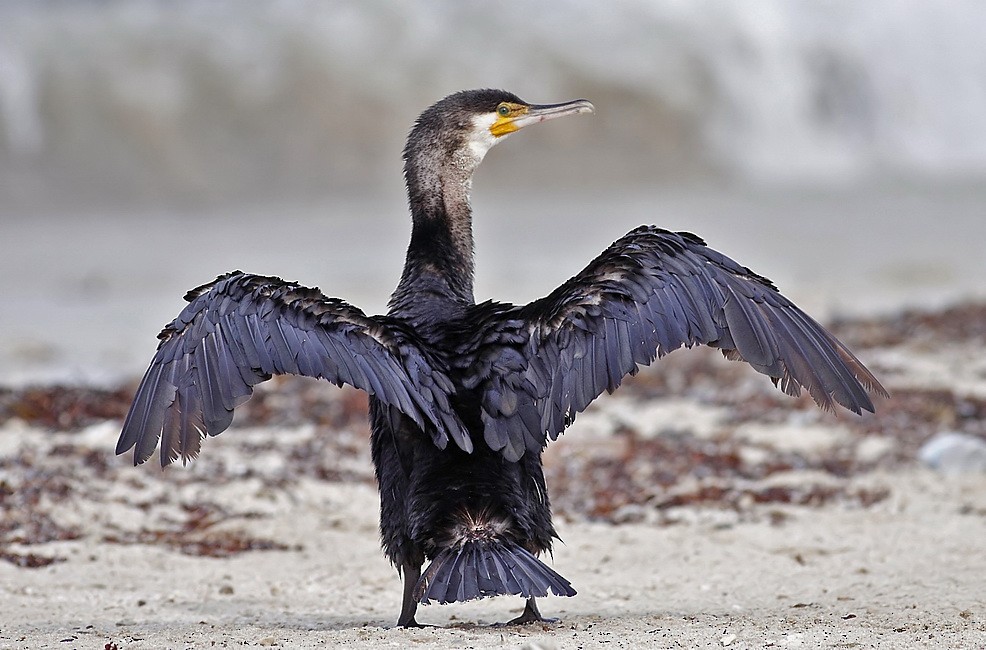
[(226, 590), (727, 639), (954, 453)]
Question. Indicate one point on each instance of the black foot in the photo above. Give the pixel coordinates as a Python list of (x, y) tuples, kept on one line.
[(411, 624), (531, 615), (411, 571), (524, 619)]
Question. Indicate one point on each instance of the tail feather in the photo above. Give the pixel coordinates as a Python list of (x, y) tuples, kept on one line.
[(483, 568), (444, 576), (507, 580), (470, 582), (529, 566), (486, 582), (457, 577)]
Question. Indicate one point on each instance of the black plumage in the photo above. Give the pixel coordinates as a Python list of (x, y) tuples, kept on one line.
[(498, 381)]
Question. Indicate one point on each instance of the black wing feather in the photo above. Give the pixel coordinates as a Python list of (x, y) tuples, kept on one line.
[(240, 329), (651, 292)]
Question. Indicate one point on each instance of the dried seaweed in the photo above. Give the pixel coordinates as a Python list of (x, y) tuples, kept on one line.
[(654, 474), (962, 323), (195, 535), (64, 408)]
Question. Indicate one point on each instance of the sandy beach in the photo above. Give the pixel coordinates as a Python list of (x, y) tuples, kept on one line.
[(698, 508), (902, 575)]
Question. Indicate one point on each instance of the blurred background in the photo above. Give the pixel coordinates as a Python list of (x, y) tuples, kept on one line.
[(147, 146)]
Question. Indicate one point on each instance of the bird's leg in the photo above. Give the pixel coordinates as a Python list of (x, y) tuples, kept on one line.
[(412, 572), (531, 615)]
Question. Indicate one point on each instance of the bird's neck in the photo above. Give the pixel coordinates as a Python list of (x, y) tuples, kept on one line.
[(439, 263)]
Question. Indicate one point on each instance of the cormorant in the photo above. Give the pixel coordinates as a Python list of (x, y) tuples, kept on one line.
[(464, 397)]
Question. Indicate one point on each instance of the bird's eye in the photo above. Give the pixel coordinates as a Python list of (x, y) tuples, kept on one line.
[(503, 110)]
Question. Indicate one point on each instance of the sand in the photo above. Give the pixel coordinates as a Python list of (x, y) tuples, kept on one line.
[(902, 575), (775, 525)]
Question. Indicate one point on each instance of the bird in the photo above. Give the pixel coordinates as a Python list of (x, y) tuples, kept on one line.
[(464, 397)]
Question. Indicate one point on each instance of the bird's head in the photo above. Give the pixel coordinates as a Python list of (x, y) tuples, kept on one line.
[(464, 125)]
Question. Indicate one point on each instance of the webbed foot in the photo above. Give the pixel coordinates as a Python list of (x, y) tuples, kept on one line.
[(531, 614)]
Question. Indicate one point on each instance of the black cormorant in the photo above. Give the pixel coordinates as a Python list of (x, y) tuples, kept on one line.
[(464, 397)]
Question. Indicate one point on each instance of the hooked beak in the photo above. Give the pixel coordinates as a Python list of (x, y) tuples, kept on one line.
[(535, 113), (541, 112)]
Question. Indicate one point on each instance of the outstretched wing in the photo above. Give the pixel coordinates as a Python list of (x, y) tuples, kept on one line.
[(651, 292), (241, 329)]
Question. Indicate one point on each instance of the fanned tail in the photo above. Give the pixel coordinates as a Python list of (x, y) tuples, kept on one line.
[(482, 568)]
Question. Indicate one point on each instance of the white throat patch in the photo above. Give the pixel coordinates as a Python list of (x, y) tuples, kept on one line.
[(480, 139)]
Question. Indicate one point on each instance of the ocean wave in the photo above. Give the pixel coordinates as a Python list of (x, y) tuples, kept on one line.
[(150, 101)]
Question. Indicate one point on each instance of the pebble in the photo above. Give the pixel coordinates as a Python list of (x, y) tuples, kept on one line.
[(954, 453)]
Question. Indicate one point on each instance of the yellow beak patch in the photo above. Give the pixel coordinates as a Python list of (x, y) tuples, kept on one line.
[(505, 124)]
